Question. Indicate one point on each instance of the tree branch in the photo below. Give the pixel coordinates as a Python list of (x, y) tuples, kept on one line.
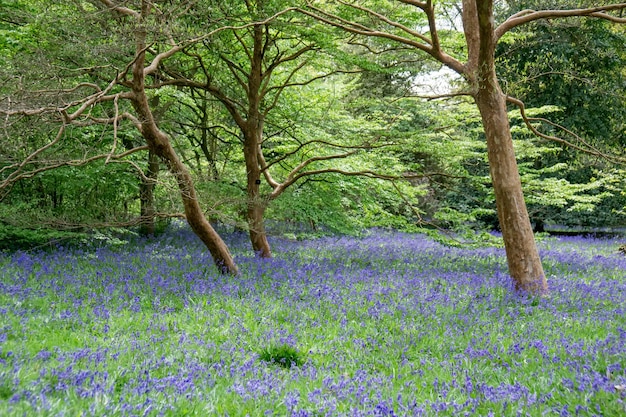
[(264, 169), (358, 29), (176, 48), (282, 60), (526, 16), (121, 9), (18, 174), (392, 23), (279, 89), (234, 68), (324, 142), (587, 148), (20, 166)]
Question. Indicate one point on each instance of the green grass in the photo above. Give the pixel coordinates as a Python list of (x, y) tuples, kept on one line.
[(153, 330)]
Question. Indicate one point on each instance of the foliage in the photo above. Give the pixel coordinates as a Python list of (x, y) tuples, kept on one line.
[(282, 355), (96, 193), (575, 66), (14, 238), (554, 193), (391, 324)]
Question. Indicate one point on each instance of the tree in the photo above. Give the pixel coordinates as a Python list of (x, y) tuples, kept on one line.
[(477, 65), (111, 87), (265, 58), (263, 62), (576, 66)]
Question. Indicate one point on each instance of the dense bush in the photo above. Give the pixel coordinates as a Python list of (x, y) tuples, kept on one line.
[(14, 238)]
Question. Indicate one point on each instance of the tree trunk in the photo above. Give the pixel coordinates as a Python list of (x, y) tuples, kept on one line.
[(519, 242), (256, 204), (160, 144), (208, 143), (258, 235), (146, 196), (253, 136), (521, 250)]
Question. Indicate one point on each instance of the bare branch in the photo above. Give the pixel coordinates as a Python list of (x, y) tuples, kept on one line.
[(264, 169), (586, 148), (609, 17), (435, 96), (91, 120), (101, 95), (392, 23), (69, 90), (527, 16), (120, 9), (353, 27), (296, 173), (19, 174), (358, 29), (415, 3), (288, 58), (29, 112), (432, 25), (386, 49)]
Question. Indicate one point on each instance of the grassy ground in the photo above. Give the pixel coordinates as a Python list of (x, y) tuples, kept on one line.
[(387, 325)]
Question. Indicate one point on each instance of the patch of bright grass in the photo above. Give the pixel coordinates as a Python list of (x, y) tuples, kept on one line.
[(391, 324), (282, 355)]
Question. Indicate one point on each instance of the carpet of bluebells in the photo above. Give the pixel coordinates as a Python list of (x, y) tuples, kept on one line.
[(387, 325)]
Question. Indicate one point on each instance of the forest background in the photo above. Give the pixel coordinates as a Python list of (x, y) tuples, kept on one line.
[(280, 119)]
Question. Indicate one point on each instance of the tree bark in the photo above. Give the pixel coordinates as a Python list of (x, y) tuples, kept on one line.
[(159, 144), (521, 250), (146, 196), (256, 204)]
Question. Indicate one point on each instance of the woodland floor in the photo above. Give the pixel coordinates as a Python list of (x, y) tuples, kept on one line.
[(387, 325)]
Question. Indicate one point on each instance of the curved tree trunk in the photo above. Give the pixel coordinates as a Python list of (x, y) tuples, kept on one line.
[(159, 143)]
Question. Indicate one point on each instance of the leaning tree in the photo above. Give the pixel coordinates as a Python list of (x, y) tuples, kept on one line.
[(164, 46), (473, 59), (109, 87)]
